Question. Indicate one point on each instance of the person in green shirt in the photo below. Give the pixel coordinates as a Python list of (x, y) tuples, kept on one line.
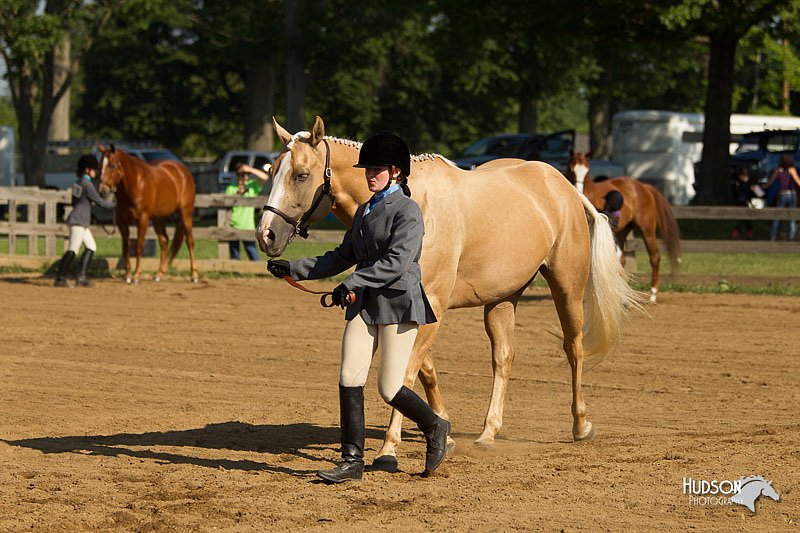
[(243, 217)]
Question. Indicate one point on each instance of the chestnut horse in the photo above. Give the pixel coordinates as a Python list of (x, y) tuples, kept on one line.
[(488, 233), (643, 207), (148, 191)]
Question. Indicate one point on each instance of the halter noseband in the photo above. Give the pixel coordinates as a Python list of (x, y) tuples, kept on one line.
[(301, 226)]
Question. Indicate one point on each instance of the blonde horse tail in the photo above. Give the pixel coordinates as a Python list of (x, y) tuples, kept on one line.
[(668, 226), (609, 297), (177, 240)]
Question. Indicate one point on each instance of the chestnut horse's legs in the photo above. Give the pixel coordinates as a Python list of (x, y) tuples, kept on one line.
[(159, 225), (499, 319), (420, 363), (186, 219), (123, 224), (567, 285), (649, 238), (140, 235)]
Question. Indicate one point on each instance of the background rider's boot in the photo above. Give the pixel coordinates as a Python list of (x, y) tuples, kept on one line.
[(435, 428), (86, 259), (63, 268), (351, 409)]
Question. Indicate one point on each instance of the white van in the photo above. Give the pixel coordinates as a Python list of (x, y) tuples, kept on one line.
[(661, 147)]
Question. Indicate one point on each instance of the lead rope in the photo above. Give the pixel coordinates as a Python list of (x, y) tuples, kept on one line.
[(351, 296)]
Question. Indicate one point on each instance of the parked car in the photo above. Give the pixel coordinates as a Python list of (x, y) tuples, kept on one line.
[(759, 152), (553, 148)]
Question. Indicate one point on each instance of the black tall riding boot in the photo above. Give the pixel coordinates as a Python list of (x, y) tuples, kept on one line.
[(86, 258), (351, 412), (63, 268), (436, 429)]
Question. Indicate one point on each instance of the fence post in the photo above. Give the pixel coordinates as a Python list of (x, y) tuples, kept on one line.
[(33, 218), (223, 221), (50, 209), (12, 219)]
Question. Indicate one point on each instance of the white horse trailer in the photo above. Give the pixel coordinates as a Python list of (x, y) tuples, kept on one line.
[(6, 156), (662, 147)]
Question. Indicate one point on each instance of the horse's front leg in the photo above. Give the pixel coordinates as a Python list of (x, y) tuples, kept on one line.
[(125, 235), (499, 320), (160, 227), (140, 235), (386, 458)]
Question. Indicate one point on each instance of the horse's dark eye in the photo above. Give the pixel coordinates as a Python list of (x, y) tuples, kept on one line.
[(303, 176)]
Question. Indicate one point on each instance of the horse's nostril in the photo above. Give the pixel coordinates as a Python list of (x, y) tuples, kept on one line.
[(270, 235)]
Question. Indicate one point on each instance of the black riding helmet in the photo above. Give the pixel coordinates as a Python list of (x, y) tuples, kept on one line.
[(86, 161), (385, 149), (613, 201)]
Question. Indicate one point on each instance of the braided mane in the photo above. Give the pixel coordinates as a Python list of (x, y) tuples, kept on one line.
[(416, 158)]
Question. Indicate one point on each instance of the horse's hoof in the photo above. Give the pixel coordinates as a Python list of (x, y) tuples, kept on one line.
[(450, 449), (484, 444), (195, 279), (157, 279), (589, 435), (384, 463), (128, 280), (136, 281)]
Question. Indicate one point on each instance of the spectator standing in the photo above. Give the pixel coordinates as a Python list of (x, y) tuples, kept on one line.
[(788, 184), (243, 217)]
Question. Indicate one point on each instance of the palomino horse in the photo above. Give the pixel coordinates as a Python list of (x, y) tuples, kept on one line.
[(487, 235), (149, 191), (643, 206)]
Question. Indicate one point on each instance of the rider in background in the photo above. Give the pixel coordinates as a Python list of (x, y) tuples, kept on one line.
[(612, 208), (788, 185), (384, 244), (83, 195)]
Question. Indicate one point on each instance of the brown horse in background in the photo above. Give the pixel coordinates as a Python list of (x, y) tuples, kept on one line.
[(149, 191), (643, 206)]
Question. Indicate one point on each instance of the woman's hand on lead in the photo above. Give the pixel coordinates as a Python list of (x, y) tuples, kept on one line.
[(278, 267)]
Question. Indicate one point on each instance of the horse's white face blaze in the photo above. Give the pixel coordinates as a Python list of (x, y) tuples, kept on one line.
[(110, 171), (296, 178), (580, 170)]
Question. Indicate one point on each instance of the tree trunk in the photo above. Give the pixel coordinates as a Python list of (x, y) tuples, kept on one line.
[(59, 125), (600, 126), (713, 182), (528, 108), (259, 105), (295, 68)]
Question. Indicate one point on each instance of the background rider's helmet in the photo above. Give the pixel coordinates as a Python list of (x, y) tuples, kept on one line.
[(384, 149), (86, 161), (613, 201)]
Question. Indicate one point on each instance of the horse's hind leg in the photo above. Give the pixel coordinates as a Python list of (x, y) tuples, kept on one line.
[(499, 319), (567, 285), (160, 227), (649, 238), (421, 363), (186, 218)]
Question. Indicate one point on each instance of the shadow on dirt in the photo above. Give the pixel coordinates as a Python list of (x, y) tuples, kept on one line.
[(289, 439)]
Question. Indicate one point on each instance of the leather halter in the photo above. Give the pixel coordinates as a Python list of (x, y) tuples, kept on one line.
[(301, 226)]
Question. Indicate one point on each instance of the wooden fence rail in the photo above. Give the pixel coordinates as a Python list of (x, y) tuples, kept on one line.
[(42, 208)]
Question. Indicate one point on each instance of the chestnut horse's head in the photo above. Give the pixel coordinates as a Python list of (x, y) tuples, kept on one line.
[(111, 171), (298, 195), (578, 170)]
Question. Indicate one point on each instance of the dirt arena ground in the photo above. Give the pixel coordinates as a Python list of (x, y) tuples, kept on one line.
[(175, 407)]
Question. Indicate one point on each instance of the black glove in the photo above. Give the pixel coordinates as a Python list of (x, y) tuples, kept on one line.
[(341, 296), (278, 267)]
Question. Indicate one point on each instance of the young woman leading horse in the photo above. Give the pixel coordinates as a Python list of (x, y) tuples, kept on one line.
[(643, 206), (488, 233), (148, 191)]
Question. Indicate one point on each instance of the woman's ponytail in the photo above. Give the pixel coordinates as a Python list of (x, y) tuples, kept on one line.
[(404, 186)]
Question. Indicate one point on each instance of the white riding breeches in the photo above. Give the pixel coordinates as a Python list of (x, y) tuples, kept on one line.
[(79, 235), (360, 341)]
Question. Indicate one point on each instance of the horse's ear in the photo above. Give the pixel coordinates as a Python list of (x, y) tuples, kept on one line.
[(111, 148), (101, 148), (284, 135), (318, 131)]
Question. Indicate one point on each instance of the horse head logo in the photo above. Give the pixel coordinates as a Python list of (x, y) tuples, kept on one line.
[(752, 488)]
